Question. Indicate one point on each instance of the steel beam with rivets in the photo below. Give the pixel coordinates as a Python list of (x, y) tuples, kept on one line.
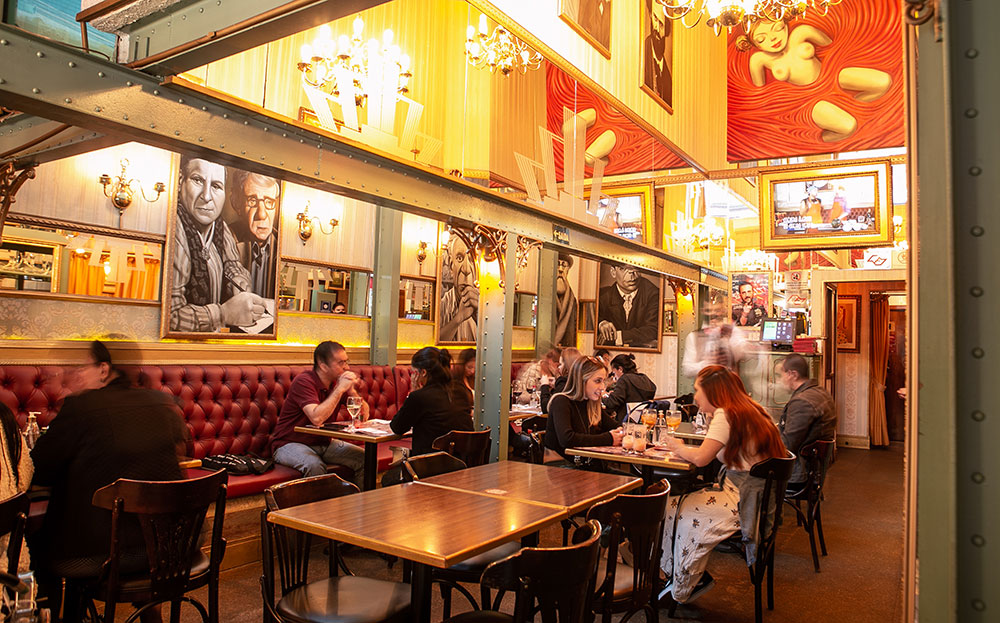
[(62, 141), (44, 78)]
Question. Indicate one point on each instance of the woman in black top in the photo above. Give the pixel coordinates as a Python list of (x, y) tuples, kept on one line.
[(630, 386), (430, 409), (576, 418), (463, 380)]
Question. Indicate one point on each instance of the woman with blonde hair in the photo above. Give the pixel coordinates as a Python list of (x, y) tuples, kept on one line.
[(740, 435), (576, 416)]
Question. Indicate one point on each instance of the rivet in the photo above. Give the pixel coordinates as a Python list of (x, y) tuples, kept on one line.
[(125, 117), (978, 605), (975, 171), (243, 152), (976, 291), (281, 163), (40, 54), (978, 416), (246, 123), (201, 140), (971, 113), (284, 135), (71, 64), (262, 157), (204, 108), (68, 100), (97, 109), (177, 132), (225, 115), (2, 81), (128, 83), (183, 17), (152, 125), (201, 10), (317, 173), (362, 186), (978, 478), (302, 140), (977, 230), (100, 74), (298, 168), (36, 90), (971, 53), (180, 100), (4, 42), (222, 145), (265, 128), (978, 540)]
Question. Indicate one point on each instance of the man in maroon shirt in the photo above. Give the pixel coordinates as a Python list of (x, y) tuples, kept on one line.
[(314, 398)]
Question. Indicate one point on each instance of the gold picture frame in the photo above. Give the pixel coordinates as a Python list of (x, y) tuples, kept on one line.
[(588, 21), (641, 194), (841, 206), (762, 290), (848, 323)]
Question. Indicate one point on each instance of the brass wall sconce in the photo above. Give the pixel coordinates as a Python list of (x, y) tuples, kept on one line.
[(421, 252), (122, 191), (306, 224)]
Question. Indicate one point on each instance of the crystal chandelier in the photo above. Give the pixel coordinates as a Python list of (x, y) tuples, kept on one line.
[(499, 50), (721, 14), (368, 67)]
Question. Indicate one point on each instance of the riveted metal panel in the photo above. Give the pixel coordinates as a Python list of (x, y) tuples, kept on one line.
[(974, 56), (63, 84), (385, 297), (496, 329), (545, 325)]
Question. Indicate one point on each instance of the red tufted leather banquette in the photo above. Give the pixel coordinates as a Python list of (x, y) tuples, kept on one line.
[(228, 409)]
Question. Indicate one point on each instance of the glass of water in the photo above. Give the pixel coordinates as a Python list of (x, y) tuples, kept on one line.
[(354, 408)]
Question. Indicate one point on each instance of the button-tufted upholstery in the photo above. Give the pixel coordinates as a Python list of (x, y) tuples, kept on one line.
[(228, 409)]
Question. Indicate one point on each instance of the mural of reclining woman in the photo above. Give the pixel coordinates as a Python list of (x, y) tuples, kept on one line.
[(790, 56)]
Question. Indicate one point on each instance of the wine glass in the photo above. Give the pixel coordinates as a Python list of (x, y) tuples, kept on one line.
[(530, 388), (673, 421), (354, 408), (649, 418), (515, 389)]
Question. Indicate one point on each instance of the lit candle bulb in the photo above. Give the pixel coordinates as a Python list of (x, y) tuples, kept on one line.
[(482, 24), (359, 25), (324, 33), (343, 45), (306, 53), (387, 37), (470, 32)]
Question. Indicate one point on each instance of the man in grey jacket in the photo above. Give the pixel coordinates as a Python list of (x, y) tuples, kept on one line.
[(809, 414)]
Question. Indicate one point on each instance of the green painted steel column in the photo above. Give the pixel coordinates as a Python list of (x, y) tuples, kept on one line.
[(496, 316), (548, 269), (357, 296), (385, 285)]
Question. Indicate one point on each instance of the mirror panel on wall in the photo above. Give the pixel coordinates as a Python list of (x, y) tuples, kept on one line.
[(324, 289), (64, 261), (416, 299)]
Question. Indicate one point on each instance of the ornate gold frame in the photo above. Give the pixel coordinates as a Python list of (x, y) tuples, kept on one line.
[(578, 29)]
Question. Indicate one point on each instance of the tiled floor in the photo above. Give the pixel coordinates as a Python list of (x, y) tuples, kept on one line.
[(860, 579)]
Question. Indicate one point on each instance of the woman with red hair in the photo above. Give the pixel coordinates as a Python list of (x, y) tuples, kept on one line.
[(740, 434)]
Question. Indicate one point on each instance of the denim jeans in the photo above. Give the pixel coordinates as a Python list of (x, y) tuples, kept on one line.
[(312, 460)]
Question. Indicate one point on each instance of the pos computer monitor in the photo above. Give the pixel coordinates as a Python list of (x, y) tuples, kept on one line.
[(779, 331)]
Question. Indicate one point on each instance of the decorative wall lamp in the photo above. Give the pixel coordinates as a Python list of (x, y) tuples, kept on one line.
[(122, 191), (499, 51), (421, 252), (720, 14), (306, 224)]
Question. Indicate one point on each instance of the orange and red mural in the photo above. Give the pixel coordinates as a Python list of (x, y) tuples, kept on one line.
[(633, 151), (819, 84)]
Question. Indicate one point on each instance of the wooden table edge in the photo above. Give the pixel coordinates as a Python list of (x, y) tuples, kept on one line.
[(604, 456), (492, 495), (345, 436), (419, 556)]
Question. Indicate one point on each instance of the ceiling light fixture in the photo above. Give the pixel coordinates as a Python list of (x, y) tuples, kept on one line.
[(720, 14), (499, 51)]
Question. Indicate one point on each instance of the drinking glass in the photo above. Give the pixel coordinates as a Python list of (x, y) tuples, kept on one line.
[(673, 420), (649, 418), (639, 439), (354, 408), (629, 438)]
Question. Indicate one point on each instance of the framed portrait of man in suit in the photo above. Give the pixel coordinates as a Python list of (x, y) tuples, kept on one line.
[(657, 54), (629, 304)]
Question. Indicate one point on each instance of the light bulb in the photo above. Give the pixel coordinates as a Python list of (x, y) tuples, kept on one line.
[(470, 32), (387, 37), (343, 45), (306, 52), (324, 33), (483, 26), (359, 25), (404, 63)]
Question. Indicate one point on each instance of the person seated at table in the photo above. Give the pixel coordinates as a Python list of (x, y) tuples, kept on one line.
[(567, 358), (463, 380), (106, 431), (630, 386), (430, 409), (315, 397), (16, 471), (741, 434), (576, 418), (537, 373)]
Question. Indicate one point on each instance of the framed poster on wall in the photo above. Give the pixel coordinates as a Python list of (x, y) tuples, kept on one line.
[(591, 19), (626, 210), (657, 54), (750, 294), (222, 253), (629, 308), (849, 323)]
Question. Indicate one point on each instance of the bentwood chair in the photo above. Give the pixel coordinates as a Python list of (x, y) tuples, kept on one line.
[(311, 489), (558, 582), (171, 515), (817, 457), (470, 447), (630, 588), (336, 599)]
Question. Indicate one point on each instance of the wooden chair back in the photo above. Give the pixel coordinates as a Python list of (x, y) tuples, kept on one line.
[(470, 447), (306, 490), (559, 580), (427, 465), (13, 519)]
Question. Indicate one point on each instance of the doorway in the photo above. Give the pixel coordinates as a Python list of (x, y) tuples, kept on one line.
[(895, 377)]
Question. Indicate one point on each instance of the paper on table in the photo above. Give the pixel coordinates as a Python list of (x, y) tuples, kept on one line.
[(375, 432), (264, 322)]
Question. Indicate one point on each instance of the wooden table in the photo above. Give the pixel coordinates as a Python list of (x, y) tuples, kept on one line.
[(371, 442), (438, 524), (686, 431), (571, 489), (651, 458), (523, 415)]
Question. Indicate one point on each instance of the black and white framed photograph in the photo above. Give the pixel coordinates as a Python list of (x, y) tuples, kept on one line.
[(657, 54), (629, 304), (591, 19), (222, 250)]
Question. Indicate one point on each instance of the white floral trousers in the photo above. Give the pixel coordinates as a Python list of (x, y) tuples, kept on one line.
[(704, 519)]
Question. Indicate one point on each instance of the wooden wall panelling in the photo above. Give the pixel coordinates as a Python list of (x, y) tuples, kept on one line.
[(68, 189), (518, 111)]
